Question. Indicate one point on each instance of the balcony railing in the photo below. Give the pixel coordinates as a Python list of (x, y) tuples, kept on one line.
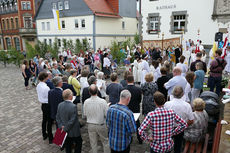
[(27, 31)]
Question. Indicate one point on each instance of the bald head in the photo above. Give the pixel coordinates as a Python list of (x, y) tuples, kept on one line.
[(177, 71), (93, 90)]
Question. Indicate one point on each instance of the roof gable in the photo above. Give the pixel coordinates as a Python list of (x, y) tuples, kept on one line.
[(101, 8)]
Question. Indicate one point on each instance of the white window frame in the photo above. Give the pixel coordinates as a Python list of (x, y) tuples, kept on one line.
[(48, 26), (25, 22), (179, 19), (66, 5), (82, 23), (60, 6), (43, 26), (23, 3), (153, 20), (28, 5), (54, 6), (76, 21)]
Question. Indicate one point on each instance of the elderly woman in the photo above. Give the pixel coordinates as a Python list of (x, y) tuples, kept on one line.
[(196, 132), (75, 83), (148, 89), (83, 79), (101, 84)]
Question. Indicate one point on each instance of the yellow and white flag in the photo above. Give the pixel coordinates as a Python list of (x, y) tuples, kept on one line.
[(56, 19)]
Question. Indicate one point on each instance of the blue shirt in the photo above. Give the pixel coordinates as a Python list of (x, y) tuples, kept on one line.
[(121, 124), (198, 82)]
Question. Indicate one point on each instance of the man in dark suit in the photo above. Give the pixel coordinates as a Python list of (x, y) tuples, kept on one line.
[(65, 85), (198, 59), (134, 104), (85, 93), (67, 120), (54, 98)]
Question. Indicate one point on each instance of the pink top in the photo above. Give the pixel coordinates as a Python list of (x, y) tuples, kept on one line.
[(96, 58)]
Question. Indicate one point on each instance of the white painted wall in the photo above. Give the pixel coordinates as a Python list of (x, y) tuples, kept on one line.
[(105, 25), (105, 42), (199, 17), (69, 26)]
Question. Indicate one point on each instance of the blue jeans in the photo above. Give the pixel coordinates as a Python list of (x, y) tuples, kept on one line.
[(215, 82)]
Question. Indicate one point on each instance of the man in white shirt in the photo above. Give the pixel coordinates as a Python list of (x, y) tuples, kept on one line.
[(183, 109), (95, 110), (42, 91), (177, 80)]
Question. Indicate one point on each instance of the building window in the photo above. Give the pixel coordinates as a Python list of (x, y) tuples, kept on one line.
[(50, 42), (76, 23), (6, 7), (3, 24), (45, 41), (153, 23), (24, 7), (179, 22), (17, 43), (8, 24), (28, 5), (16, 6), (48, 26), (54, 6), (11, 6), (63, 24), (60, 5), (12, 23), (83, 23), (16, 23), (2, 8), (59, 42), (8, 43), (43, 26), (66, 3), (123, 24), (28, 22)]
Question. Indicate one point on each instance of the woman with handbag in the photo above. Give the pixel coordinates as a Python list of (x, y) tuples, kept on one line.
[(76, 85)]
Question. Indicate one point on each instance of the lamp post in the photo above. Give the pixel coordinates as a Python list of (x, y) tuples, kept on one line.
[(163, 40)]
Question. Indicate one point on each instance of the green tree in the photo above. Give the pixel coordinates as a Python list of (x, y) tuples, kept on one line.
[(4, 57), (70, 44), (78, 46), (30, 51), (115, 51), (85, 44), (136, 39), (64, 41), (16, 57)]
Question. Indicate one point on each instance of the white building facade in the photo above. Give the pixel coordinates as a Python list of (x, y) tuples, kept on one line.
[(180, 19), (100, 29)]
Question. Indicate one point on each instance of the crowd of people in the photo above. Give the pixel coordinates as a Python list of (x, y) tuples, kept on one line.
[(169, 93)]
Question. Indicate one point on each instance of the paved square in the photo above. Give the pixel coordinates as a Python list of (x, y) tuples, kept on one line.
[(20, 119)]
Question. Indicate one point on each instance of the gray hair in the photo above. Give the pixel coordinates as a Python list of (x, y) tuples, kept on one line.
[(56, 80), (92, 80), (125, 94), (178, 92), (100, 75), (66, 94)]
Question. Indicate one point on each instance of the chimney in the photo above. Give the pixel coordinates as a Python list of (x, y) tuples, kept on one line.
[(114, 4)]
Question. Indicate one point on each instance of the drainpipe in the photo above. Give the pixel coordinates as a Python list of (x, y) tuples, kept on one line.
[(94, 33)]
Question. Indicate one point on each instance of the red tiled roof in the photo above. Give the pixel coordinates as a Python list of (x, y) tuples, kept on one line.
[(101, 8)]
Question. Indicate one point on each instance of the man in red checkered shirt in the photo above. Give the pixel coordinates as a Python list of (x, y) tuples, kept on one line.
[(161, 122)]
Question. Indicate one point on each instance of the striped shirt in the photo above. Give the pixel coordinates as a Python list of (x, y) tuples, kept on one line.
[(121, 124)]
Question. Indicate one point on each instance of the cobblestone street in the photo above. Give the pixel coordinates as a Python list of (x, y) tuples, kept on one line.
[(20, 119)]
